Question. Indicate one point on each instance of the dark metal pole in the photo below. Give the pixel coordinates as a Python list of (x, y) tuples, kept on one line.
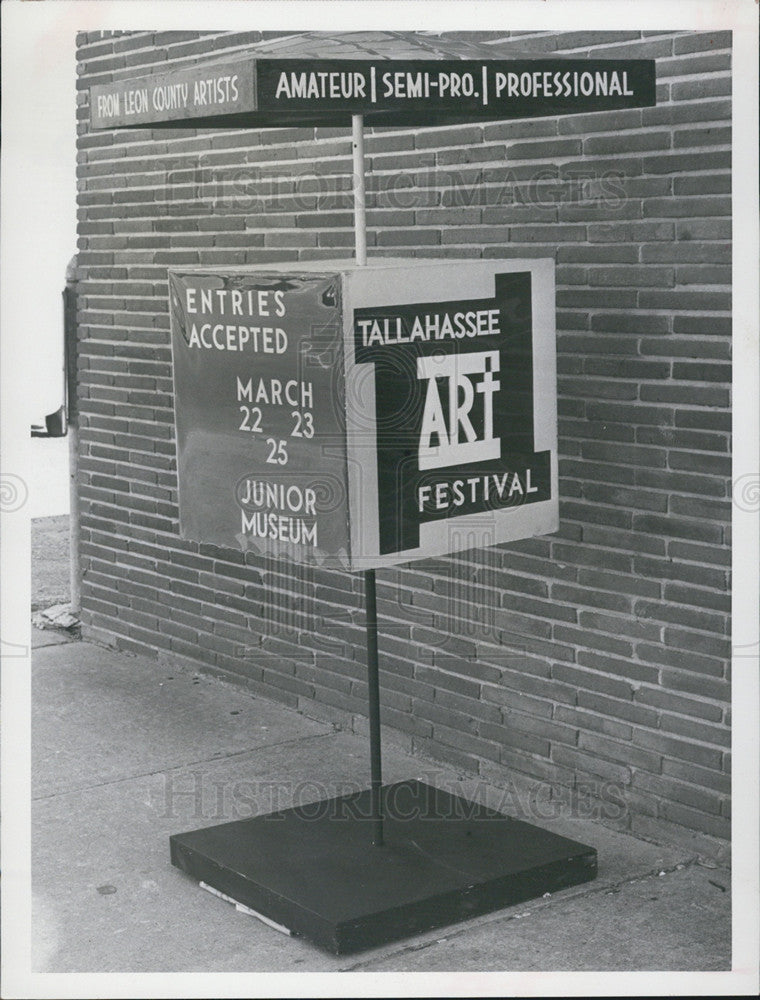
[(370, 600)]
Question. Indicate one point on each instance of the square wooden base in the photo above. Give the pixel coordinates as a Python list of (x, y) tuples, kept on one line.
[(313, 868)]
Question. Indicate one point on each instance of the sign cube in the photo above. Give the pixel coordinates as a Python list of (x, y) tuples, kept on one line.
[(365, 416)]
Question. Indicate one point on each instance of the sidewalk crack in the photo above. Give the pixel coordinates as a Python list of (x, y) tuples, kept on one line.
[(185, 764)]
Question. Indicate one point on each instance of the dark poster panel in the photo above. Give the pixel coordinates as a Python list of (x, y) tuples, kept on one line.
[(454, 408), (260, 439)]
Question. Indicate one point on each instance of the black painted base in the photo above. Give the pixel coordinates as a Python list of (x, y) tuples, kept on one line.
[(314, 870)]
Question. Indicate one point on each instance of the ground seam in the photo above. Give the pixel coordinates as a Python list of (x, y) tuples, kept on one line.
[(180, 767), (501, 916)]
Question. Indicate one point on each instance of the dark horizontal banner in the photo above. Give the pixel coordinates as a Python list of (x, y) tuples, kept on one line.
[(313, 91), (484, 87)]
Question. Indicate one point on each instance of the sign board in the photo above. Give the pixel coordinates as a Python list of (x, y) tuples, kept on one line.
[(258, 92), (175, 95), (258, 368), (365, 416)]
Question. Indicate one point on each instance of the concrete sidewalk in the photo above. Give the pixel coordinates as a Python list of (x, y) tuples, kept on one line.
[(50, 561), (127, 751)]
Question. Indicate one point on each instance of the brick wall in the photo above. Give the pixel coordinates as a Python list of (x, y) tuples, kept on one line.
[(596, 657)]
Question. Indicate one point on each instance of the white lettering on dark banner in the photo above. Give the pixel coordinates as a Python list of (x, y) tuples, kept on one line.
[(429, 326), (236, 336), (604, 83), (321, 85), (459, 492), (444, 83), (275, 92)]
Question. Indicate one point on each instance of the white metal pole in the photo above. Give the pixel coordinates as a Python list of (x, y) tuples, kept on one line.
[(373, 681), (360, 215)]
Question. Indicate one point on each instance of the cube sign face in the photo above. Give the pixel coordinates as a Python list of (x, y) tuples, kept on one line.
[(366, 416), (258, 400)]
